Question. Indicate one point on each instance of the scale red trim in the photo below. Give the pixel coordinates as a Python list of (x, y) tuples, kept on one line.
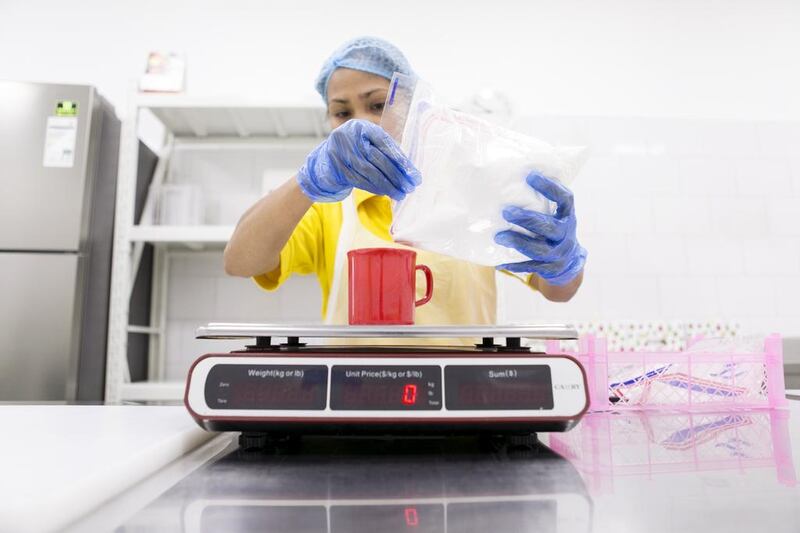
[(351, 420)]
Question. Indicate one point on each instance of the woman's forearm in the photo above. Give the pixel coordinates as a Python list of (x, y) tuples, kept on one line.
[(557, 293), (264, 229)]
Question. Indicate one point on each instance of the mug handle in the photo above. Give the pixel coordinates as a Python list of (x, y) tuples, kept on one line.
[(429, 285)]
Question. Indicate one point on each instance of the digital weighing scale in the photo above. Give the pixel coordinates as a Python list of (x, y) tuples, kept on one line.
[(293, 388)]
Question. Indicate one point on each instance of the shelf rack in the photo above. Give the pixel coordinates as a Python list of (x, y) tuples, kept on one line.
[(190, 123), (186, 235)]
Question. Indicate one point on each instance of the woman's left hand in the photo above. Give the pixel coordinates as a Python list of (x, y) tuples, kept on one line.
[(554, 252)]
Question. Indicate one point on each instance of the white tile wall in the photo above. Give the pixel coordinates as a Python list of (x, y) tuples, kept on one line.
[(680, 215), (739, 216), (770, 256), (649, 174), (778, 138), (680, 138), (746, 296), (706, 176), (599, 173), (628, 297), (683, 219), (663, 256), (783, 215), (686, 219), (199, 292), (615, 214), (606, 252), (795, 165), (688, 297), (787, 297), (708, 255), (763, 176)]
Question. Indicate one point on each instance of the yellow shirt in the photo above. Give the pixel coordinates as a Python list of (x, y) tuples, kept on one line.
[(312, 247)]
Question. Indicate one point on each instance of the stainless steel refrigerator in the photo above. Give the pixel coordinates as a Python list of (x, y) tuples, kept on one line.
[(58, 166)]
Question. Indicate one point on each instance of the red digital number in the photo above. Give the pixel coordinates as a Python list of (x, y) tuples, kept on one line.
[(412, 518), (409, 394)]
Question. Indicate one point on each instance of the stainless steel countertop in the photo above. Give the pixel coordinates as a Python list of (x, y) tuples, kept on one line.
[(625, 472)]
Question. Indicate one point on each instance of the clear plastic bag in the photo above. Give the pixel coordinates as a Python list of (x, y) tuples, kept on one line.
[(471, 169)]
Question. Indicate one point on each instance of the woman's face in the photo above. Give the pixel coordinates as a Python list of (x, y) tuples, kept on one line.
[(355, 94)]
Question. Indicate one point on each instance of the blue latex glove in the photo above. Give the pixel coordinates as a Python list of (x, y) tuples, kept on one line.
[(554, 251), (357, 154)]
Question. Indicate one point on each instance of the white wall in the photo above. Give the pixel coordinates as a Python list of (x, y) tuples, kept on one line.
[(701, 58)]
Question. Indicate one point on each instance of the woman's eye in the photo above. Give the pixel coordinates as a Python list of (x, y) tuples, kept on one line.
[(342, 114), (377, 107)]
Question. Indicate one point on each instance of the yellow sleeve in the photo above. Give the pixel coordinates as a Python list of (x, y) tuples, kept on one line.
[(524, 278), (375, 213), (302, 253)]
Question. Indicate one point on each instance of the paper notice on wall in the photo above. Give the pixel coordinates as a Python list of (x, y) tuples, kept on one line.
[(59, 142)]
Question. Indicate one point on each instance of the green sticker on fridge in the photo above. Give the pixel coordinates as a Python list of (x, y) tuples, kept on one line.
[(67, 108)]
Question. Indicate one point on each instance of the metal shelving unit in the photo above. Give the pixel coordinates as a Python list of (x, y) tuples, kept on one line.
[(190, 123), (186, 235)]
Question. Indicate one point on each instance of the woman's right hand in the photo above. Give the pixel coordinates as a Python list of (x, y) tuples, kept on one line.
[(357, 154)]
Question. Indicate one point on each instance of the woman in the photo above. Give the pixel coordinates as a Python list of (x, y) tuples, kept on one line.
[(340, 200)]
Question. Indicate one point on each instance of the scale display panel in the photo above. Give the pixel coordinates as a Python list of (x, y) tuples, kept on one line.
[(492, 387), (301, 387), (386, 388)]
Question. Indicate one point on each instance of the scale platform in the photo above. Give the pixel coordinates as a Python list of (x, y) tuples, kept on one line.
[(290, 388)]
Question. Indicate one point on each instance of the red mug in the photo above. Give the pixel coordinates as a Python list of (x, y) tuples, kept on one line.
[(383, 285)]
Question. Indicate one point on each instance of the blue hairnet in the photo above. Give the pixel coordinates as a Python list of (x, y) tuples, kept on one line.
[(367, 54)]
